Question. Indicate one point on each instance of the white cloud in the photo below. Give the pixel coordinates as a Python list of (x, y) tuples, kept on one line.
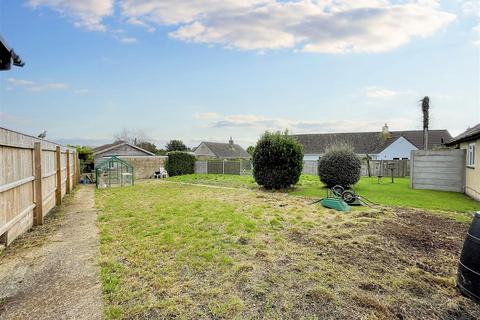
[(205, 115), (377, 92), (49, 86), (137, 22), (85, 13), (259, 123), (311, 26), (35, 86), (471, 8), (128, 40), (20, 82), (328, 26)]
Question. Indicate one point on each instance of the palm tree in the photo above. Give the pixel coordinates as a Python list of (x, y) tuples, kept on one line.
[(426, 120)]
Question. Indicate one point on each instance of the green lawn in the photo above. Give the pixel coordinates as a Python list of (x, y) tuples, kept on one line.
[(172, 250), (384, 193)]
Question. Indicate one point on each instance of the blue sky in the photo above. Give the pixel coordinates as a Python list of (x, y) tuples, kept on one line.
[(208, 70)]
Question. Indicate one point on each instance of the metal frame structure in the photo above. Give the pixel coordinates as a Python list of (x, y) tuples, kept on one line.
[(114, 172)]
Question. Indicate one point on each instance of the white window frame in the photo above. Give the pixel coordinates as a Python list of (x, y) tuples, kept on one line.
[(471, 155)]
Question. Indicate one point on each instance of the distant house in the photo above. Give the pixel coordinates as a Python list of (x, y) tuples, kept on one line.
[(119, 148), (218, 150), (470, 141), (383, 145)]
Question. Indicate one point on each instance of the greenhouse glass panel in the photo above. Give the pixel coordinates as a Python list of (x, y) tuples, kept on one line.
[(114, 172)]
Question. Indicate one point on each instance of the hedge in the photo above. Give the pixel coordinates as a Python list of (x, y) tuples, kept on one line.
[(339, 166), (277, 161), (179, 163)]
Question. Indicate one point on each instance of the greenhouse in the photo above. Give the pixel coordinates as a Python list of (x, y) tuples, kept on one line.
[(114, 172)]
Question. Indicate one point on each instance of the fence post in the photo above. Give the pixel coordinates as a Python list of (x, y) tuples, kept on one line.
[(412, 163), (74, 169), (77, 161), (68, 172), (38, 211), (58, 190), (77, 170)]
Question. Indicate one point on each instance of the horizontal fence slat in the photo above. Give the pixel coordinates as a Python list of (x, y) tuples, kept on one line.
[(49, 195), (438, 170), (436, 187), (20, 216), (46, 175), (15, 184)]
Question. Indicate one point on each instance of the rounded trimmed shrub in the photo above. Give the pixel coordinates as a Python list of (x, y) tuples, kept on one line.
[(277, 161), (339, 166), (179, 163)]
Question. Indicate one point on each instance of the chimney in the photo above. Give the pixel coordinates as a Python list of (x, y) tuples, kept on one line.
[(385, 132), (230, 142)]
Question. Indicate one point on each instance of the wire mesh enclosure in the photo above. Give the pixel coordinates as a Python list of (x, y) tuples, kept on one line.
[(114, 172)]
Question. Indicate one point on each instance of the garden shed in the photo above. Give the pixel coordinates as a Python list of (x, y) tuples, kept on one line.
[(118, 148)]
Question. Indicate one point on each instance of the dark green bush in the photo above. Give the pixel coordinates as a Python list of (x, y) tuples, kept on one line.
[(339, 166), (179, 163), (277, 161)]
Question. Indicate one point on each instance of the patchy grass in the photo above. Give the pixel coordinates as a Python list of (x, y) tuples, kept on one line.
[(190, 252), (227, 180), (384, 193)]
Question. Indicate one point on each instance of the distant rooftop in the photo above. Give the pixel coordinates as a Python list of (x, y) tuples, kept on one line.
[(370, 142)]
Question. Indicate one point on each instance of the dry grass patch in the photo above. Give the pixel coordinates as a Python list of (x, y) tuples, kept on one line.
[(180, 251)]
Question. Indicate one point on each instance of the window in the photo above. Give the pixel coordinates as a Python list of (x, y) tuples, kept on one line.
[(471, 155)]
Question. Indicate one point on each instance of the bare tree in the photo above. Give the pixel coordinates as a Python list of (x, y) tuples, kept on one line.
[(136, 138), (426, 119), (124, 135)]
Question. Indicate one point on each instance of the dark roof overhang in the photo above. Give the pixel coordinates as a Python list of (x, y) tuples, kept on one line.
[(8, 56), (468, 135)]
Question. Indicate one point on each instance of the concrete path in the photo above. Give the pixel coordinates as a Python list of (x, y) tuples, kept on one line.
[(60, 278)]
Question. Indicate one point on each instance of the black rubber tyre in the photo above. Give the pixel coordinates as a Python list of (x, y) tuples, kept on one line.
[(349, 196), (338, 190)]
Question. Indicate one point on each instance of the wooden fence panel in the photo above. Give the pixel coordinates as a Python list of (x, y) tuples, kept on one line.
[(71, 170), (238, 167), (49, 183), (25, 182), (63, 172), (201, 167), (401, 168), (438, 170), (16, 190), (310, 167)]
